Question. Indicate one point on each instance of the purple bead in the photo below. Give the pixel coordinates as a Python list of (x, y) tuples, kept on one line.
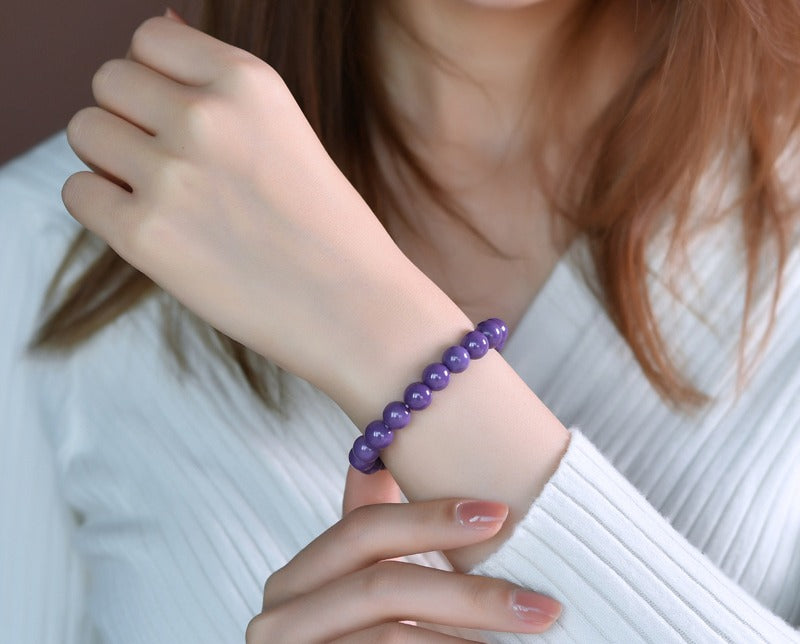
[(436, 376), (493, 331), (417, 396), (357, 463), (456, 358), (503, 330), (377, 435), (364, 452), (476, 344), (396, 415)]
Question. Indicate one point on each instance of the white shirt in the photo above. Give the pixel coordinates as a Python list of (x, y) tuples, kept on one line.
[(141, 503)]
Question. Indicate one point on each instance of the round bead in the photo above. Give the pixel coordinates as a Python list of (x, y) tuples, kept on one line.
[(364, 452), (396, 415), (503, 330), (493, 331), (377, 435), (417, 396), (456, 358), (357, 463), (476, 344), (436, 376)]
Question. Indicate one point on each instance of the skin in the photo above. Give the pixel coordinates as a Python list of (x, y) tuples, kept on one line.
[(202, 164)]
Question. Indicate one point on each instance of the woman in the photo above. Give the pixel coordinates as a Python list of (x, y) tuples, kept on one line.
[(658, 137)]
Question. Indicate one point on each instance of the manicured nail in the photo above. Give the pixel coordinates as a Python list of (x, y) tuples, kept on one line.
[(481, 515), (535, 608)]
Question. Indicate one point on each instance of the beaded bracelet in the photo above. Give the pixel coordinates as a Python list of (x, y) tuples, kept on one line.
[(379, 434)]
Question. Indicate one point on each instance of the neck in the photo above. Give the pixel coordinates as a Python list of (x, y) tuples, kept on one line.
[(465, 76)]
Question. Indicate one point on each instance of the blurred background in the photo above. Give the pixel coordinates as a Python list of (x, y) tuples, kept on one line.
[(49, 50)]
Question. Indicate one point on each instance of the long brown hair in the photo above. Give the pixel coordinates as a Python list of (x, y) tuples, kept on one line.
[(728, 72)]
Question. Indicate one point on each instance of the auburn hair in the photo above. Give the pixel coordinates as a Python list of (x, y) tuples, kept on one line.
[(709, 77)]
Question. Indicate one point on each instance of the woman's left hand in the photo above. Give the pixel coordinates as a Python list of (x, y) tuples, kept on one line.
[(343, 586), (209, 179)]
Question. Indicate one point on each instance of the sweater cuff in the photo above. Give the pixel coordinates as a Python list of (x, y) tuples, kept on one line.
[(620, 570)]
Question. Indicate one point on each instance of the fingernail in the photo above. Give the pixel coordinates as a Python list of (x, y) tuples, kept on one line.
[(481, 515), (535, 608)]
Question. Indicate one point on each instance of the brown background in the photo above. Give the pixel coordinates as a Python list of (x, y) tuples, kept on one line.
[(49, 50)]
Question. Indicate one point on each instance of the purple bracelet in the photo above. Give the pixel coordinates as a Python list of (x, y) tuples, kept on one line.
[(379, 434)]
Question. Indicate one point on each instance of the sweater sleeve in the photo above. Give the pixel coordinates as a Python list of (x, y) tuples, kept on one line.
[(41, 577), (620, 570)]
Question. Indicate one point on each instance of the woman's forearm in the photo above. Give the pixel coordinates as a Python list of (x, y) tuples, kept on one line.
[(486, 435)]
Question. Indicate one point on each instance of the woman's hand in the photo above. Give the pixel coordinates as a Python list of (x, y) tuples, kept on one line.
[(209, 179), (342, 588)]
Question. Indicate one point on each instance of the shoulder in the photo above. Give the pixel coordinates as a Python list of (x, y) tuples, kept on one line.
[(35, 232)]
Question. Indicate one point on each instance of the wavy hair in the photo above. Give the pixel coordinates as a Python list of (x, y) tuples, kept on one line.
[(722, 73)]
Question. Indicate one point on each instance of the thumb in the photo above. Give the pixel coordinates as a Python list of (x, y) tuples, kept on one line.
[(366, 489)]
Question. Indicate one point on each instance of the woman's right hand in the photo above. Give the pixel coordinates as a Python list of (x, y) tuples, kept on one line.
[(343, 586)]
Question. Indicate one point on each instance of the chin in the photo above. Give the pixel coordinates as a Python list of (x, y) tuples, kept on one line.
[(503, 4)]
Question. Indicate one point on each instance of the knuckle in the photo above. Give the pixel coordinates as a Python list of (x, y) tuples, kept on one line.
[(143, 34), (273, 579), (240, 64), (445, 512), (480, 592), (201, 116), (168, 173), (70, 191), (379, 580), (74, 126), (79, 121), (357, 527), (272, 587), (103, 73), (245, 72), (260, 629)]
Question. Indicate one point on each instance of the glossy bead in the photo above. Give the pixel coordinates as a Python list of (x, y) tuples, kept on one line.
[(357, 463), (364, 452), (396, 415), (417, 396), (503, 330), (476, 344), (436, 376), (493, 331), (377, 435), (456, 358)]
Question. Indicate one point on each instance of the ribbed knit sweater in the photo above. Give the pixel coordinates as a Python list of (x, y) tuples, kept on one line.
[(140, 502)]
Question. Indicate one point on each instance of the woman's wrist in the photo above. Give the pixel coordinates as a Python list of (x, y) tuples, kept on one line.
[(394, 325), (486, 436)]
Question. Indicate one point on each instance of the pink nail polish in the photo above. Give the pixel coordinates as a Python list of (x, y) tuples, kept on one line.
[(535, 608), (481, 515)]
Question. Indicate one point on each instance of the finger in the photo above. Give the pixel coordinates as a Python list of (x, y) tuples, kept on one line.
[(109, 177), (372, 533), (390, 591), (368, 489), (138, 94), (109, 142), (179, 51), (96, 202), (169, 13), (173, 15), (397, 632)]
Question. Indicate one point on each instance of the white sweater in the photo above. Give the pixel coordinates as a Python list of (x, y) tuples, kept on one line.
[(140, 503)]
